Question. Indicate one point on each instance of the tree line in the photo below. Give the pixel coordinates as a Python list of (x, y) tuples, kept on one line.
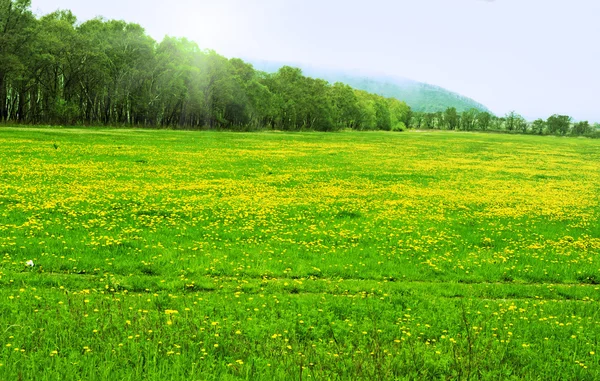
[(476, 120), (54, 70)]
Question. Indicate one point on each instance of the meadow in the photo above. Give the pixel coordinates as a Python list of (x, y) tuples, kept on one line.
[(167, 255)]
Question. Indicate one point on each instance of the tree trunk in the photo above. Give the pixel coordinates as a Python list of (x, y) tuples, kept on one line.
[(3, 98)]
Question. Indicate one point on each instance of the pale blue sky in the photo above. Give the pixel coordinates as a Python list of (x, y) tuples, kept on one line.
[(538, 57)]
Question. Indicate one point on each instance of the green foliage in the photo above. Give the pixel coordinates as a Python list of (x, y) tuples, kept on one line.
[(468, 120), (474, 120), (382, 114), (368, 115), (451, 118), (521, 125), (421, 97), (515, 122), (346, 104), (56, 71), (581, 128), (538, 126), (558, 124), (484, 120), (107, 72), (400, 114)]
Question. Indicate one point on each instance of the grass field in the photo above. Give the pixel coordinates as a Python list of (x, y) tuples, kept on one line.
[(269, 256)]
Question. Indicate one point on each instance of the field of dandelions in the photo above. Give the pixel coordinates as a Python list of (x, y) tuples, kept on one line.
[(163, 255)]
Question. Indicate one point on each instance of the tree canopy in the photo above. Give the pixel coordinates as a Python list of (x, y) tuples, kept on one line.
[(476, 120), (54, 70)]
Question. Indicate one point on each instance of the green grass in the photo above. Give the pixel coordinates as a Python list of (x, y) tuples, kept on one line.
[(214, 256)]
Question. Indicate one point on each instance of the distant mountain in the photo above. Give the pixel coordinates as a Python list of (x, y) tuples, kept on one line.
[(419, 96)]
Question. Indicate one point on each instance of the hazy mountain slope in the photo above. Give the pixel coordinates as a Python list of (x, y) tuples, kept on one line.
[(419, 96)]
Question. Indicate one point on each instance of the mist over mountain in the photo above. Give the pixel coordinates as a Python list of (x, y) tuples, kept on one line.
[(419, 96)]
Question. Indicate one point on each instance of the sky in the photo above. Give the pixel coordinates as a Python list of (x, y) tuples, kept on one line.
[(536, 57)]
